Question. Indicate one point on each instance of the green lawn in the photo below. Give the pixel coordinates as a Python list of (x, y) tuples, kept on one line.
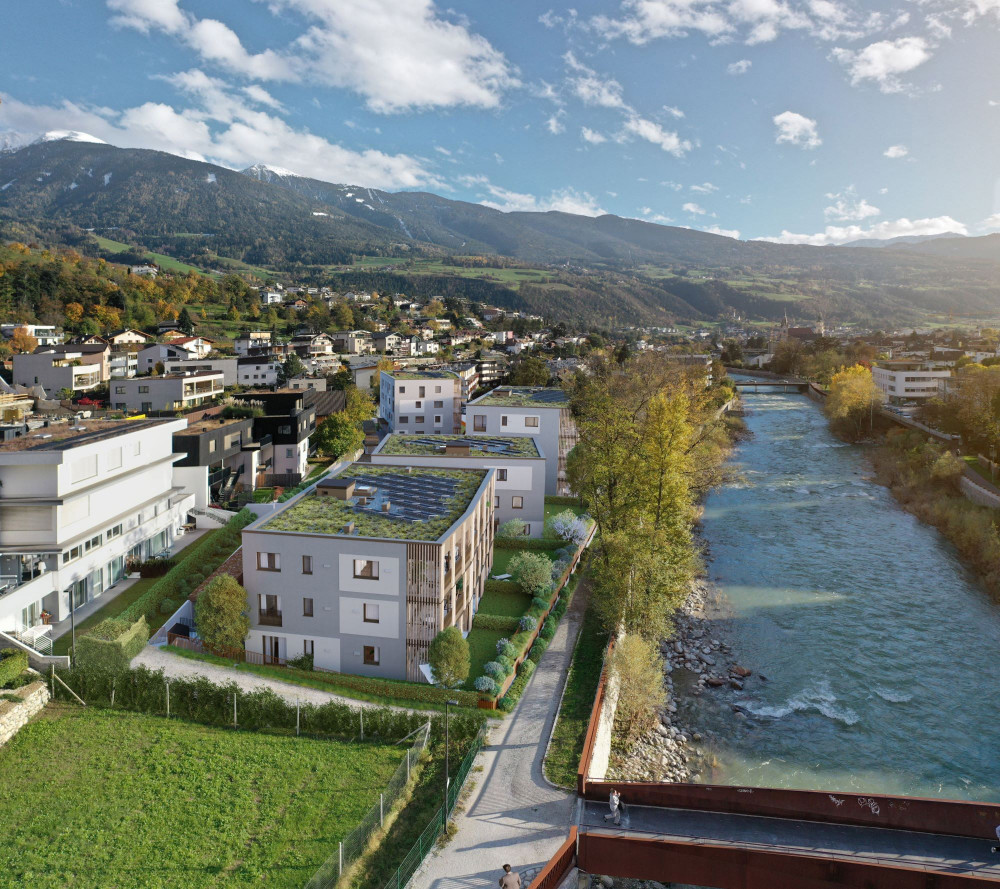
[(502, 557), (552, 509), (482, 648), (112, 246), (512, 604), (973, 463), (113, 799), (578, 700), (117, 605)]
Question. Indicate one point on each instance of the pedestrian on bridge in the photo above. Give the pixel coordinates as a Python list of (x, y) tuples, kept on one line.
[(511, 879), (614, 801), (997, 847)]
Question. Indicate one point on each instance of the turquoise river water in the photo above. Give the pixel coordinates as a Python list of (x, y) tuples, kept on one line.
[(881, 651)]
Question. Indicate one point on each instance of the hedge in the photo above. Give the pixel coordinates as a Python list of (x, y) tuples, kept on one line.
[(206, 556), (497, 622), (501, 586), (13, 662), (112, 644), (156, 567), (559, 500), (528, 543), (201, 700)]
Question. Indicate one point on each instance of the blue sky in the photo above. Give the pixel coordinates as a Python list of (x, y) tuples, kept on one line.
[(814, 121)]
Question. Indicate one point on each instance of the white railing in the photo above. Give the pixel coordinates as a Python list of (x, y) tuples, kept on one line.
[(40, 642)]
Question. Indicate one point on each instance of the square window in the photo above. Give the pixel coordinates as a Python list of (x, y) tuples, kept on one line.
[(479, 423), (404, 419), (517, 502), (307, 607), (402, 389), (438, 404), (501, 475), (268, 562), (419, 405), (372, 655), (419, 419), (437, 419), (307, 564), (370, 613), (531, 422), (366, 569)]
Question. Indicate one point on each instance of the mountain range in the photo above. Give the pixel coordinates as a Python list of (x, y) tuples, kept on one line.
[(68, 187)]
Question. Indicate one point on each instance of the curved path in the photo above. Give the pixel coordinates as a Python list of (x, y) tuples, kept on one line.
[(513, 814)]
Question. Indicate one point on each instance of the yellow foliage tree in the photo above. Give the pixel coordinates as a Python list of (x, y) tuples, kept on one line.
[(852, 402)]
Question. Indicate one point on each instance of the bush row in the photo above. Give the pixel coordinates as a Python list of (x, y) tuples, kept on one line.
[(500, 586), (112, 644), (200, 700), (528, 543), (501, 623), (13, 662), (156, 567)]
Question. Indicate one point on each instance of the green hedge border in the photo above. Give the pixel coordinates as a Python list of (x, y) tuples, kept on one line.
[(13, 662), (117, 652)]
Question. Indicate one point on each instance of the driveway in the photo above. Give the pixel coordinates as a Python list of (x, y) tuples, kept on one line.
[(513, 815)]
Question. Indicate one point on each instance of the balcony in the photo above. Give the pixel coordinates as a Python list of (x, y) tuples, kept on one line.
[(18, 570), (269, 618)]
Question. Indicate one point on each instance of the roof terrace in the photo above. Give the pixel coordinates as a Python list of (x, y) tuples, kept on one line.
[(523, 446), (524, 396)]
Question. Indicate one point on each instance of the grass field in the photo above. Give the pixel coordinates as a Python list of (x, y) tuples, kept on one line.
[(112, 246), (482, 648), (512, 604), (114, 799), (502, 558), (118, 604), (166, 262), (578, 700), (510, 276)]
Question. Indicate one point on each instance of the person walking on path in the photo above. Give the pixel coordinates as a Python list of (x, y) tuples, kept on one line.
[(511, 879), (996, 848), (614, 801)]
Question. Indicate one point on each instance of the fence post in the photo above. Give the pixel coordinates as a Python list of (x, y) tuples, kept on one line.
[(361, 713), (167, 683), (381, 810), (234, 709), (408, 752), (340, 860), (52, 681), (298, 706)]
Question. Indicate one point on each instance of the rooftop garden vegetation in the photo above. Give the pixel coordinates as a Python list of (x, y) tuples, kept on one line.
[(504, 396), (433, 445)]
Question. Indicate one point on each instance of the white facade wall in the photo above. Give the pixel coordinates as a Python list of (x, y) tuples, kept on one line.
[(901, 384)]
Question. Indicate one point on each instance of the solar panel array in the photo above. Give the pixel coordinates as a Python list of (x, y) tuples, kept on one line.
[(412, 497)]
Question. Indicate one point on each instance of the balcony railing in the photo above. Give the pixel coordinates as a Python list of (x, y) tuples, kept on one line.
[(269, 618)]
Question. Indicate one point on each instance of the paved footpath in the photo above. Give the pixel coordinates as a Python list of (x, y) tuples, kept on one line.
[(183, 668), (513, 814)]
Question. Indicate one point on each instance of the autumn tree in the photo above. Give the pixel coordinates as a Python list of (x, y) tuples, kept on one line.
[(852, 402), (638, 669), (22, 341)]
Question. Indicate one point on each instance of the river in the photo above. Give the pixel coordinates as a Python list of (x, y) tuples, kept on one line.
[(881, 651)]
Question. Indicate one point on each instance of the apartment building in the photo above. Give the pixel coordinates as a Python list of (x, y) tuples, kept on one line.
[(161, 353), (45, 334), (226, 366), (421, 401), (78, 501), (171, 392), (75, 367), (352, 342), (257, 371), (899, 381), (519, 488), (253, 342), (363, 570), (283, 431), (227, 451), (541, 412)]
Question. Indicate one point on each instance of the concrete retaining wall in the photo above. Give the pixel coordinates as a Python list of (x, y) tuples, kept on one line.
[(600, 757), (978, 494), (14, 715)]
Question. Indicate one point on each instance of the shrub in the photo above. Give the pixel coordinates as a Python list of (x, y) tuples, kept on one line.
[(568, 526), (505, 648), (637, 664), (156, 567), (500, 586), (112, 644), (538, 544), (500, 623), (221, 613), (527, 623), (539, 604), (509, 700), (531, 572), (558, 569), (13, 662), (538, 649), (512, 528), (168, 606), (505, 663), (548, 629), (486, 685), (562, 500), (494, 670), (448, 656), (302, 662)]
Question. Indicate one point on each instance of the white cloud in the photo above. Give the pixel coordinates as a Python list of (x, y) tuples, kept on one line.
[(896, 228), (740, 67), (555, 125), (221, 127), (591, 88), (694, 209), (566, 200), (262, 97), (884, 61), (725, 232), (592, 136), (990, 223), (896, 151), (673, 186), (704, 188), (398, 55), (673, 112), (796, 129), (848, 207), (652, 132)]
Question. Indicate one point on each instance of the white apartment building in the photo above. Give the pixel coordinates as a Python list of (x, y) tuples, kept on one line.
[(421, 401), (76, 503), (78, 368), (172, 392), (899, 381), (261, 371), (46, 334)]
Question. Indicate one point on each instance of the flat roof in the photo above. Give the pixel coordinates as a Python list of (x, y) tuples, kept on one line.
[(63, 436), (194, 375), (207, 425), (394, 502), (524, 396), (422, 374), (397, 444)]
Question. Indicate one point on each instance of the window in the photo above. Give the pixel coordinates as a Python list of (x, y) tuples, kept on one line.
[(284, 430), (307, 607), (404, 419), (137, 449), (114, 532), (437, 419), (496, 502), (143, 389), (146, 406), (366, 568), (517, 502), (501, 475), (531, 422), (479, 423), (289, 453), (438, 404), (309, 647), (437, 388), (503, 420), (372, 655), (268, 562), (212, 445), (307, 564), (423, 391), (419, 419), (370, 613), (119, 390), (419, 405)]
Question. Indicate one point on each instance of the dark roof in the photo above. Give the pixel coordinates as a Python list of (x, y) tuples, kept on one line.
[(83, 348), (326, 403)]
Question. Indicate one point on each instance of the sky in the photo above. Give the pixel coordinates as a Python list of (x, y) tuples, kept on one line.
[(804, 121)]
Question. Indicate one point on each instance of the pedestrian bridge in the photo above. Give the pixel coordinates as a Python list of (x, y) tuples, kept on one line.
[(771, 385)]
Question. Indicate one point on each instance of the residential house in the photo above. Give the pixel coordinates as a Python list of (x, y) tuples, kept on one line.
[(387, 343), (45, 334), (900, 381), (198, 345), (170, 392), (161, 353), (224, 449), (54, 368), (226, 366), (252, 342), (420, 401), (78, 500), (283, 432), (127, 336), (257, 371), (363, 570), (540, 412), (312, 345)]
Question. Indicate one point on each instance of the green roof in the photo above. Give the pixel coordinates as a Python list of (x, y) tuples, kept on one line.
[(524, 396), (389, 502), (522, 446), (421, 375)]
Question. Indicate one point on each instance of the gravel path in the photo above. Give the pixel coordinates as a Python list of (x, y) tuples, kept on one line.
[(183, 668), (513, 814)]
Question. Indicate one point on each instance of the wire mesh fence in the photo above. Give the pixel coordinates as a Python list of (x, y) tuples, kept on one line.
[(351, 847), (425, 842)]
